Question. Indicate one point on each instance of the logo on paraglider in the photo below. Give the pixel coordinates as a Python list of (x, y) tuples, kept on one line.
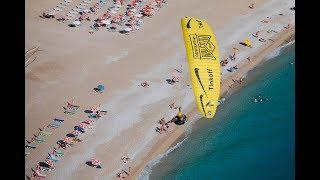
[(188, 23), (196, 71), (202, 47), (201, 100), (200, 24)]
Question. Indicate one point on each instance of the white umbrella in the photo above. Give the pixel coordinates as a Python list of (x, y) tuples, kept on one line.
[(77, 23), (138, 15), (128, 29), (106, 22)]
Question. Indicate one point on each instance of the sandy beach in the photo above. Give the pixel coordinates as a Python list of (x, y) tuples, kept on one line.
[(70, 62)]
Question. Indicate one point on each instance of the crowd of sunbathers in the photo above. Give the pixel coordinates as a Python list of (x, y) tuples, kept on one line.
[(70, 140), (257, 35), (112, 18)]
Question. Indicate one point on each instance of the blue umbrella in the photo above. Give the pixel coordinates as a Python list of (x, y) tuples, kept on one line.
[(101, 87)]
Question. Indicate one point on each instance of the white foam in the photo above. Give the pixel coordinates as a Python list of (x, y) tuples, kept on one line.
[(277, 51), (145, 173)]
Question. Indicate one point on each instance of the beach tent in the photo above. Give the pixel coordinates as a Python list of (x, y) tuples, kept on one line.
[(204, 65)]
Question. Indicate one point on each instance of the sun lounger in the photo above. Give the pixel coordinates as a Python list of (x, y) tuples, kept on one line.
[(56, 123), (57, 9), (61, 6), (80, 7), (38, 140), (74, 12), (53, 158), (68, 1), (45, 133), (31, 145), (58, 153), (59, 119)]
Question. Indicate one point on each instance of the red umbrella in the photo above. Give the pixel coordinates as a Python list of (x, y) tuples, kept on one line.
[(95, 162), (49, 162), (67, 140)]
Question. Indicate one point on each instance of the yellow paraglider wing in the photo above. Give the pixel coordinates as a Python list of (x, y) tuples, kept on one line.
[(204, 66)]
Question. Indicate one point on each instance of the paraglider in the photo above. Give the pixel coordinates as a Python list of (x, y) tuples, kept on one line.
[(204, 65)]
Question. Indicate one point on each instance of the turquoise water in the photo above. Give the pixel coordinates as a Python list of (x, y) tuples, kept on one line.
[(245, 140)]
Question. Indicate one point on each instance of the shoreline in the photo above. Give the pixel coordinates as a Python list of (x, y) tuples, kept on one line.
[(70, 66), (161, 147)]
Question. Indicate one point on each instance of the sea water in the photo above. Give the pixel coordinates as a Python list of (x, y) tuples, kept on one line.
[(246, 139)]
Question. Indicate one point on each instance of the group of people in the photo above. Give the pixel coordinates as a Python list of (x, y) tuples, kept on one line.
[(247, 43), (71, 138), (112, 19), (129, 21)]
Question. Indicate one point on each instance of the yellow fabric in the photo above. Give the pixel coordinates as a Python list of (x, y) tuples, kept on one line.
[(204, 65), (247, 42)]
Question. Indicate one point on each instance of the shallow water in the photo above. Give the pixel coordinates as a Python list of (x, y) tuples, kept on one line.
[(245, 140)]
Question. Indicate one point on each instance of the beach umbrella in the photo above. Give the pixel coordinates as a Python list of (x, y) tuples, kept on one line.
[(100, 86), (127, 29), (76, 23), (106, 22), (95, 162), (138, 15)]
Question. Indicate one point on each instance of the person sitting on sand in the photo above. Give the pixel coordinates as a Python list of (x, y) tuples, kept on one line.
[(164, 125), (251, 6), (287, 27), (233, 56), (262, 40), (256, 34), (61, 19), (123, 173), (47, 15), (144, 84), (125, 159), (172, 106)]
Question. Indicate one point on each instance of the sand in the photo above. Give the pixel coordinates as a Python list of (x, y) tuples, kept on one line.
[(72, 62)]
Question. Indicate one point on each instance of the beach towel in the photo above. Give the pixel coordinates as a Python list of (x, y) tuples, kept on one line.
[(31, 145), (44, 133), (38, 139), (53, 158), (58, 153)]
